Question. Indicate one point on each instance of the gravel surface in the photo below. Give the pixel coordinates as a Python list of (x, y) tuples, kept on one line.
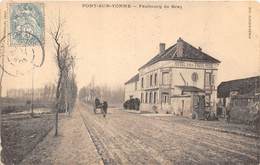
[(73, 146), (126, 138)]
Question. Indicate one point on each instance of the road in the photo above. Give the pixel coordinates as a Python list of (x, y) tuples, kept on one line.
[(126, 138)]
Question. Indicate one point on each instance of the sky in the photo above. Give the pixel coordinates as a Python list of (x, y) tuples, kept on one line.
[(112, 43)]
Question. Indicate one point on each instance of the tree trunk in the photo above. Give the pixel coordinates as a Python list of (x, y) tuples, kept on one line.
[(56, 123), (57, 104)]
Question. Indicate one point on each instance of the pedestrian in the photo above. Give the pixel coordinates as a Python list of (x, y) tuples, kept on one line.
[(228, 109), (104, 108)]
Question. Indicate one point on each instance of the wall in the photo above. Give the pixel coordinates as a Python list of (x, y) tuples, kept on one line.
[(149, 107), (131, 91), (176, 67), (160, 108), (249, 114), (187, 75), (177, 106)]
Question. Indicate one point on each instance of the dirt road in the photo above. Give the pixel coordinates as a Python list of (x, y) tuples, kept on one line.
[(125, 138)]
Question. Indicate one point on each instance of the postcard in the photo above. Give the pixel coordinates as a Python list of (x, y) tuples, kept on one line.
[(129, 82)]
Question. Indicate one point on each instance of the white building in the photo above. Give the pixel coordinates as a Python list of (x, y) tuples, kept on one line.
[(177, 80), (132, 88)]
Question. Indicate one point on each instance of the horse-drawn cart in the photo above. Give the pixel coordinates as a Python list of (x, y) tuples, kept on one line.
[(102, 106)]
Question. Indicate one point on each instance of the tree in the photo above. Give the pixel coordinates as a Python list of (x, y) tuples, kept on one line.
[(66, 78), (111, 95), (82, 93)]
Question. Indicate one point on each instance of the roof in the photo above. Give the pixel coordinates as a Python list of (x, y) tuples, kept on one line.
[(190, 53), (135, 78), (243, 86), (190, 89)]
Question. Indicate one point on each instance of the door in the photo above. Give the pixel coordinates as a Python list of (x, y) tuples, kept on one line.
[(198, 105), (182, 107)]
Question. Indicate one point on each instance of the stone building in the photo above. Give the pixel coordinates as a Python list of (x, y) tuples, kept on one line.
[(177, 80), (244, 90)]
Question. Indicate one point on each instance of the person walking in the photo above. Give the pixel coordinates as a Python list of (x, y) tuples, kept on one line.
[(228, 109)]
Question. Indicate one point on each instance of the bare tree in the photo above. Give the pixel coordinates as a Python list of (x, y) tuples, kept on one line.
[(56, 35), (65, 62)]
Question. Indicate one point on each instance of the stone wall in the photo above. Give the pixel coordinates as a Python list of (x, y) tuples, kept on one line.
[(156, 108), (246, 114)]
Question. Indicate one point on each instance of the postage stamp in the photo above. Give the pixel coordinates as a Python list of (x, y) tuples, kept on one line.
[(26, 23)]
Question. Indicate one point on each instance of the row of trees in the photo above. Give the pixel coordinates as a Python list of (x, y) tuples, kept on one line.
[(111, 95), (47, 93)]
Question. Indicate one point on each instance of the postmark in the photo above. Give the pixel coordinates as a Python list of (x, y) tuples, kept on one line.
[(26, 24)]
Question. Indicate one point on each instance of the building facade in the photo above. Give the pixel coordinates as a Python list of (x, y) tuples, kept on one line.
[(244, 90), (177, 80), (132, 88)]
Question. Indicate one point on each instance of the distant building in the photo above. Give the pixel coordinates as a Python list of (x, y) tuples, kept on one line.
[(131, 88), (175, 80), (245, 89)]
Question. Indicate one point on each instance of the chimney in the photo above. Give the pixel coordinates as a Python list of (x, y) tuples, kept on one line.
[(179, 48), (162, 47), (200, 49)]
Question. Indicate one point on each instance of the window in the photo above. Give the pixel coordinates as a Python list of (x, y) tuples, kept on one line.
[(142, 97), (151, 80), (207, 79), (212, 79), (155, 79), (136, 85), (150, 97), (147, 81), (154, 97), (146, 97), (165, 78), (194, 77), (165, 97), (142, 82)]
